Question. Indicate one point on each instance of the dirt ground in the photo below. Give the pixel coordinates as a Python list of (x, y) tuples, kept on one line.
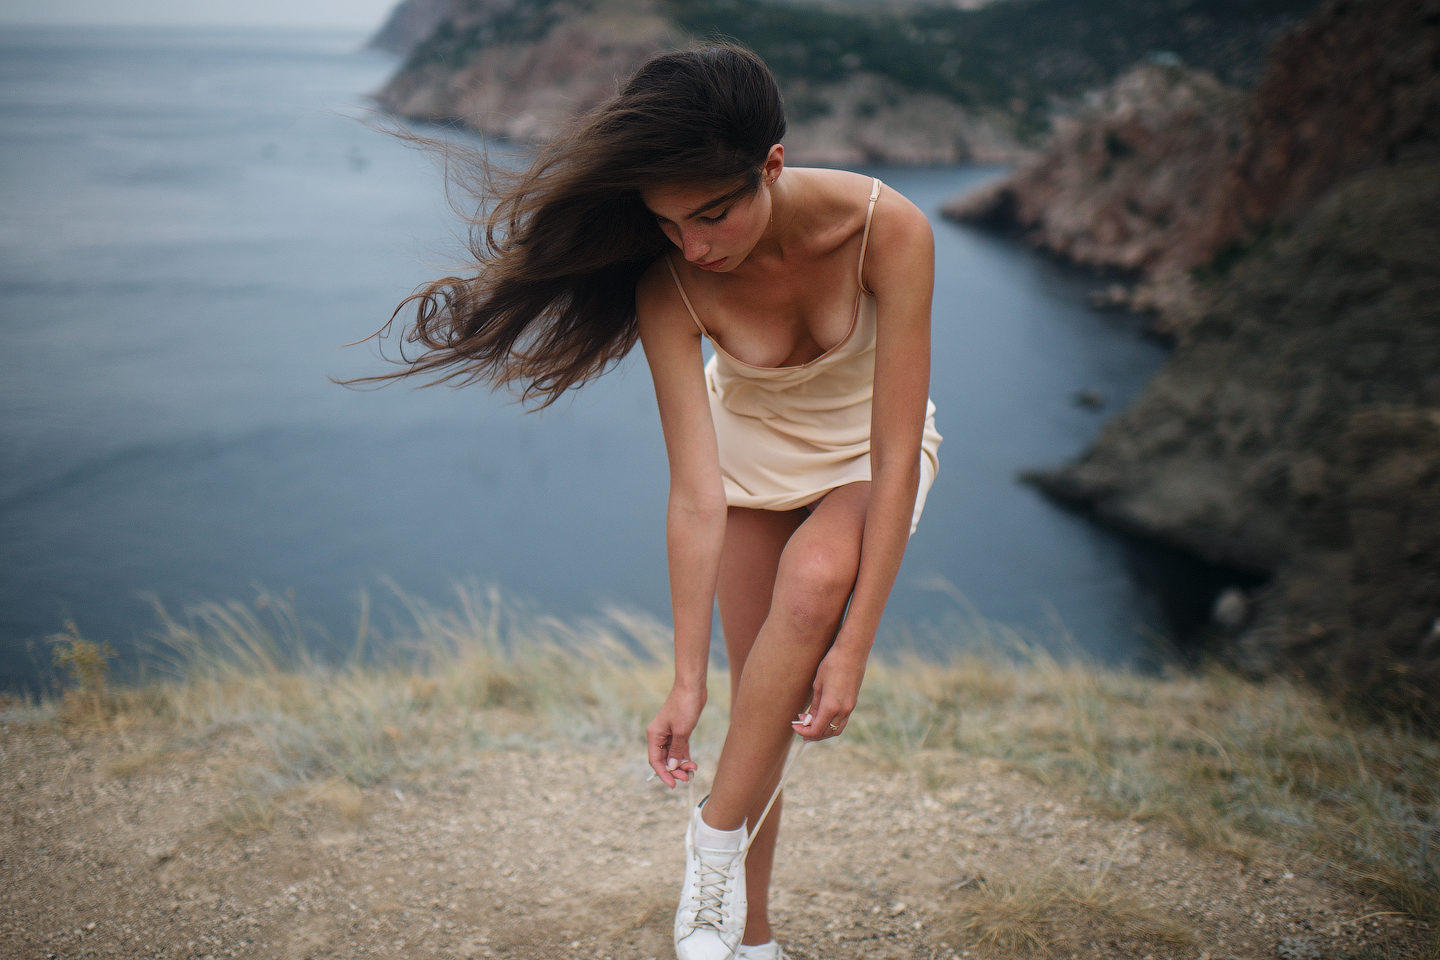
[(113, 846)]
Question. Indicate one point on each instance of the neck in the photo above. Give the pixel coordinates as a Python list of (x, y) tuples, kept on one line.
[(783, 209)]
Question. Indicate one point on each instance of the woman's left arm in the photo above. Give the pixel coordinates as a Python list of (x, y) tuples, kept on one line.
[(900, 271)]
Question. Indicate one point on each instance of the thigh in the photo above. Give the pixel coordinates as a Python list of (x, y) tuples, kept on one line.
[(820, 561), (754, 541), (805, 560)]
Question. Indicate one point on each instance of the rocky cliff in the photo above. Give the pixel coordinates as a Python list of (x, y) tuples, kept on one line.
[(1167, 170), (1129, 177), (1295, 431), (864, 81), (408, 24), (521, 70)]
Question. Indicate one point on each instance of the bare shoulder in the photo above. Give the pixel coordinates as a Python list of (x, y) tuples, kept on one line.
[(842, 197), (655, 295), (898, 222), (902, 243), (666, 329), (834, 202)]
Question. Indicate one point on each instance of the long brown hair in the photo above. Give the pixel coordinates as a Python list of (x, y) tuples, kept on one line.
[(564, 242)]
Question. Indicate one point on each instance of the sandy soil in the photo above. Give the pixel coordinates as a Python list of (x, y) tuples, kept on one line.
[(115, 846)]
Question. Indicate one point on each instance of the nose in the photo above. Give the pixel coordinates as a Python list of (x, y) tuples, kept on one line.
[(694, 248)]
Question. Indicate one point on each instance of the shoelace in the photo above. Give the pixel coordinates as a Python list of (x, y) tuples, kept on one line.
[(710, 892), (710, 884)]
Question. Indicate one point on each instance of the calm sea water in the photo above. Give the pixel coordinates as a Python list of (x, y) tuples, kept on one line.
[(192, 224)]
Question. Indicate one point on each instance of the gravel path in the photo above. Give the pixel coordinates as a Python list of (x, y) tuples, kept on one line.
[(115, 846)]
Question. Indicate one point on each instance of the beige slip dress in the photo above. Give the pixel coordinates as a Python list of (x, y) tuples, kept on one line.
[(789, 435)]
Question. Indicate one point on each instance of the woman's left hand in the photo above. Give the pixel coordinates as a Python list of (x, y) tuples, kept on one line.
[(837, 690)]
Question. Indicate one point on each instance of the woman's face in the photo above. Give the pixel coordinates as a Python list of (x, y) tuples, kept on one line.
[(715, 227)]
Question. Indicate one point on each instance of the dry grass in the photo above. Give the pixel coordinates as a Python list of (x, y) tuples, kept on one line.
[(482, 675), (1225, 762), (1039, 914), (341, 797), (248, 815), (136, 761)]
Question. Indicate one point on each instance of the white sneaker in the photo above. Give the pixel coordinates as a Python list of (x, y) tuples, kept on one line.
[(761, 951), (711, 918)]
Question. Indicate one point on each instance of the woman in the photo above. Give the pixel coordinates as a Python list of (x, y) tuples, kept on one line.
[(799, 457)]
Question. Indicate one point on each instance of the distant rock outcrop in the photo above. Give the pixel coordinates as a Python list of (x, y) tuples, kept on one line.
[(521, 70), (1129, 179), (1295, 431), (1165, 171), (864, 80), (408, 24)]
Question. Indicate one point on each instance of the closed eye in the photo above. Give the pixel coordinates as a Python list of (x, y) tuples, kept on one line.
[(715, 219)]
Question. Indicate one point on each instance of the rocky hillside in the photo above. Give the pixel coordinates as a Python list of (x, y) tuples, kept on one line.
[(1166, 170), (863, 82), (1295, 431), (1129, 178), (408, 24), (520, 68)]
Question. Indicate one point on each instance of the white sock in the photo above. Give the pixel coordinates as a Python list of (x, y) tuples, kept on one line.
[(711, 839)]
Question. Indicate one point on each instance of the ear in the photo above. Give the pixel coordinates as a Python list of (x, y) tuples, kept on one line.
[(774, 163)]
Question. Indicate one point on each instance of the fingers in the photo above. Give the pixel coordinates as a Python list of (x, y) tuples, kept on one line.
[(682, 768), (826, 717), (817, 727), (678, 761), (659, 751), (670, 759), (822, 723)]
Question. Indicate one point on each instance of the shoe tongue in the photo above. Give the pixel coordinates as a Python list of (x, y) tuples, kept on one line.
[(716, 857)]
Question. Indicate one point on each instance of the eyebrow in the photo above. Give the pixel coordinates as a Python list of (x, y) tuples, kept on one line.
[(739, 191)]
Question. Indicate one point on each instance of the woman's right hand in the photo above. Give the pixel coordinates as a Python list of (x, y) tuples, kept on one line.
[(668, 735)]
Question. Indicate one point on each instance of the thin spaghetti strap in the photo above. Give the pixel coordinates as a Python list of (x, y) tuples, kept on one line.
[(864, 238), (678, 286)]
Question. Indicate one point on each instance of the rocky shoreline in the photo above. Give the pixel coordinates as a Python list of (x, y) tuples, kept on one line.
[(1288, 242)]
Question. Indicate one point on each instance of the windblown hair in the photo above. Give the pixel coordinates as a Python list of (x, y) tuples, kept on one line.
[(564, 243)]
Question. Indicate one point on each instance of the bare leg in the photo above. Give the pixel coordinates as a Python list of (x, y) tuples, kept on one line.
[(776, 640), (754, 541)]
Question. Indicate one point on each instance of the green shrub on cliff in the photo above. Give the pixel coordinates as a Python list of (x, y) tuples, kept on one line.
[(1017, 55), (451, 47)]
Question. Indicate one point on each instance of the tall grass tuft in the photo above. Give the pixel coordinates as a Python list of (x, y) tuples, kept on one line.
[(1037, 913), (481, 674), (87, 664)]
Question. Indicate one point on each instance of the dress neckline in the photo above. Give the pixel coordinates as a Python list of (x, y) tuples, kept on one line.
[(854, 317)]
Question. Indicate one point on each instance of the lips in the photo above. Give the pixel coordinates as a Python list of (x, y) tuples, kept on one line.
[(712, 264)]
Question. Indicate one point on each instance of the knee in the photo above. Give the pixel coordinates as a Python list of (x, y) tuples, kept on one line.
[(812, 588)]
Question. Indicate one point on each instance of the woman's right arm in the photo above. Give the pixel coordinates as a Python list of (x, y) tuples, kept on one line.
[(695, 516)]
